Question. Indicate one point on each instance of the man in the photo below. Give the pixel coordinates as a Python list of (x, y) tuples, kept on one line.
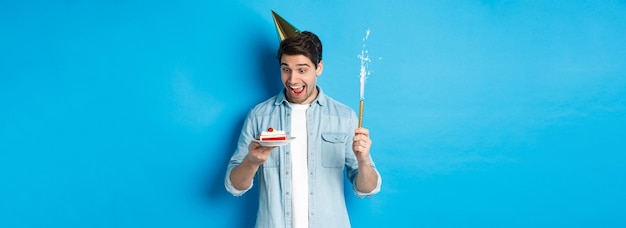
[(302, 184)]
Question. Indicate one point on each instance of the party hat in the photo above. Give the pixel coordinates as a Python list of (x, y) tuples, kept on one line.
[(284, 28)]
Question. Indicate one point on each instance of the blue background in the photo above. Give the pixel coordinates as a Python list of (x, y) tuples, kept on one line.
[(483, 113)]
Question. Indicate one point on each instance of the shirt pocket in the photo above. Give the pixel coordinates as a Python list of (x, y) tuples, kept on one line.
[(333, 149)]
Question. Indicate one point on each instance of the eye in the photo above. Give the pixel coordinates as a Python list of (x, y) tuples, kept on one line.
[(286, 70), (302, 71)]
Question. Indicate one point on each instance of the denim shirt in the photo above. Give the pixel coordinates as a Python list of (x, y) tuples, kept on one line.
[(330, 126)]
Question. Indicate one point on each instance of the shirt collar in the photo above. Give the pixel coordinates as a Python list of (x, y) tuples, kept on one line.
[(321, 97)]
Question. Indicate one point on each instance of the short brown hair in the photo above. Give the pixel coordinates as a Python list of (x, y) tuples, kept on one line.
[(305, 43)]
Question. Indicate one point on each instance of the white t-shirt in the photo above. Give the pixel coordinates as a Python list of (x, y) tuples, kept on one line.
[(299, 167)]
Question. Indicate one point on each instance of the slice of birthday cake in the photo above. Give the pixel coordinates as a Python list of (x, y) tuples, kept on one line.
[(273, 135)]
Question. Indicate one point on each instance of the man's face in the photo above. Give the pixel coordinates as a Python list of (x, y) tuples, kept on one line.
[(299, 77)]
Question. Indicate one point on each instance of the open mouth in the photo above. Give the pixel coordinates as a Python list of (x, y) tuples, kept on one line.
[(296, 90)]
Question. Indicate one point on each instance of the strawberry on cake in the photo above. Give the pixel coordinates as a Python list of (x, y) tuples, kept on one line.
[(273, 135)]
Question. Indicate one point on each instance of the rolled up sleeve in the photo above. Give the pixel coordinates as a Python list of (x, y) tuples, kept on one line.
[(229, 184), (373, 192)]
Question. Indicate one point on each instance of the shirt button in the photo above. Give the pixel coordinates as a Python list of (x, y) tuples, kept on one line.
[(286, 193), (287, 173)]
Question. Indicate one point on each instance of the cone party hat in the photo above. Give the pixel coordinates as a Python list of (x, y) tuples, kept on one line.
[(284, 28)]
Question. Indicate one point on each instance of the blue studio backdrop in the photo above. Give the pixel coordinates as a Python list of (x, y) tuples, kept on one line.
[(483, 113)]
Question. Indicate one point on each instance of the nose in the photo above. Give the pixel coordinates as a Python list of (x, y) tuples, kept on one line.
[(289, 76)]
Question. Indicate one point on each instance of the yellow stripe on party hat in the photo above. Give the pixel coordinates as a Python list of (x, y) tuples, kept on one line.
[(284, 28)]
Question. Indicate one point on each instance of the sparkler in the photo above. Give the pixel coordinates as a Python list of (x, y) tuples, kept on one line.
[(364, 74)]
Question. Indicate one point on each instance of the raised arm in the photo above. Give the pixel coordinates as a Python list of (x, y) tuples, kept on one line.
[(367, 178)]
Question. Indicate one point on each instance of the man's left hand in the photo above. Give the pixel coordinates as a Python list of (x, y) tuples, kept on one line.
[(361, 145)]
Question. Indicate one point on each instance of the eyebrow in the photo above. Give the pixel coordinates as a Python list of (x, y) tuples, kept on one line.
[(297, 65)]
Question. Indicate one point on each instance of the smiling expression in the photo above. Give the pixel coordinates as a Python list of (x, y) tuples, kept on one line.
[(299, 77)]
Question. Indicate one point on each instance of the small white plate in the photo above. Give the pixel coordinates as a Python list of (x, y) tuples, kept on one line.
[(274, 143)]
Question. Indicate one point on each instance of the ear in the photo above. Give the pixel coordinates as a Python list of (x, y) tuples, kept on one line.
[(320, 68)]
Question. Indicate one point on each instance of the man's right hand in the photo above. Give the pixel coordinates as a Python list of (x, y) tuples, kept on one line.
[(258, 154)]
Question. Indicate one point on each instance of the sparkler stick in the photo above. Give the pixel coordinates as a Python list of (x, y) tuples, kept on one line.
[(361, 114)]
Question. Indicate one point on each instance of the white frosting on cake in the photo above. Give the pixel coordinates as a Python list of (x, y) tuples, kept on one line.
[(272, 134)]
